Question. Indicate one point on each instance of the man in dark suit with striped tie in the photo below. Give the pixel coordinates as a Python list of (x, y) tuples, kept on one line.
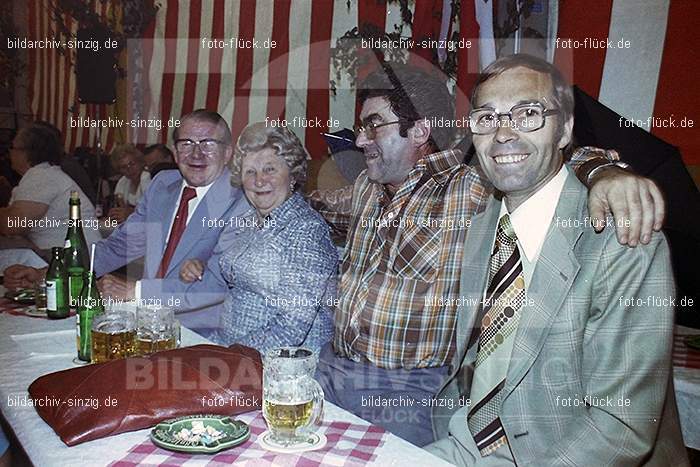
[(565, 335)]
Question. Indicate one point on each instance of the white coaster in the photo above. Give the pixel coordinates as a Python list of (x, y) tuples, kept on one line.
[(313, 442)]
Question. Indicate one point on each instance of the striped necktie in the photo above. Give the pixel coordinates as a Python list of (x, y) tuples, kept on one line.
[(501, 313)]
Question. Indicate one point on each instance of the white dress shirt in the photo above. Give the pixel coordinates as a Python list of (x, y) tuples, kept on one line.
[(531, 221)]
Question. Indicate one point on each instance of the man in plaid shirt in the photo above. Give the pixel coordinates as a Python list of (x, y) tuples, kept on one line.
[(405, 220)]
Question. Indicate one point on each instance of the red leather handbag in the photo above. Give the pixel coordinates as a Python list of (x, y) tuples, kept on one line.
[(94, 401)]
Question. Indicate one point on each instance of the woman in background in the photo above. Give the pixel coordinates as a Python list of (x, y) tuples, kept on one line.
[(129, 162), (278, 260)]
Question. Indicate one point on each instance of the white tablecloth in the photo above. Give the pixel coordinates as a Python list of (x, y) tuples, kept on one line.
[(31, 347)]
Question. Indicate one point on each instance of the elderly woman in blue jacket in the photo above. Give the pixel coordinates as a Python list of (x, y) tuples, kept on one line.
[(278, 259)]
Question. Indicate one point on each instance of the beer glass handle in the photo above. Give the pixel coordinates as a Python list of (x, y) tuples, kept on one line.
[(177, 333), (318, 398)]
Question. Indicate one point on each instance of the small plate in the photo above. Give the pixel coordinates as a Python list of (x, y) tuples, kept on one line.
[(234, 433), (313, 442), (693, 342)]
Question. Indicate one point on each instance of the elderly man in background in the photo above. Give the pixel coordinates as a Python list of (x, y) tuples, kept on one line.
[(173, 221), (557, 369), (406, 218), (158, 157), (70, 164)]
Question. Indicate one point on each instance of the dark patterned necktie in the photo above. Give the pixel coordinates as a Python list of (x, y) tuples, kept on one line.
[(501, 312)]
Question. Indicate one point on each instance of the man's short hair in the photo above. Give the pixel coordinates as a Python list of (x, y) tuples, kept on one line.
[(160, 147), (40, 144), (208, 116), (413, 94), (562, 93)]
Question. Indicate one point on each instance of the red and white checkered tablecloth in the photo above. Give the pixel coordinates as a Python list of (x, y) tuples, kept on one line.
[(348, 444), (684, 356)]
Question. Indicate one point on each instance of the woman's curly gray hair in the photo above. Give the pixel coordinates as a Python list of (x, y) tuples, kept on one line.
[(258, 136)]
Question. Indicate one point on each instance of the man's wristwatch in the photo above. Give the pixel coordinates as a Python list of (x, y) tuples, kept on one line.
[(618, 163)]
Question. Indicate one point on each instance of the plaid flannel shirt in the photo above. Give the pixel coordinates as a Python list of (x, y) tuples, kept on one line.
[(399, 279)]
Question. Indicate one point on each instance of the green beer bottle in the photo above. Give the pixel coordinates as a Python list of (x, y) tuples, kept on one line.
[(76, 256), (57, 297), (89, 305)]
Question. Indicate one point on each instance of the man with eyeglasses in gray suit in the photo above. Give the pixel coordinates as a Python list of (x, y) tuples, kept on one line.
[(558, 362), (180, 216)]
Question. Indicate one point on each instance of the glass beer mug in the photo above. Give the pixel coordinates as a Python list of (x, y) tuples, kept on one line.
[(113, 335), (157, 330), (292, 399)]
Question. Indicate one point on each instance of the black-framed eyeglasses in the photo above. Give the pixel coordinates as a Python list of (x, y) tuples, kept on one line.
[(521, 117), (208, 146), (369, 129)]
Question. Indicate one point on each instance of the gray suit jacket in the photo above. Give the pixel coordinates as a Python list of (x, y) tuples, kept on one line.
[(577, 342), (145, 235)]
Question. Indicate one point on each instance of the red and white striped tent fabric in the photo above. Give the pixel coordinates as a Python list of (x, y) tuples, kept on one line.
[(653, 78), (51, 87)]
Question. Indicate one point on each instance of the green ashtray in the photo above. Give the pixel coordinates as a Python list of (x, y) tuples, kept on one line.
[(206, 434)]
